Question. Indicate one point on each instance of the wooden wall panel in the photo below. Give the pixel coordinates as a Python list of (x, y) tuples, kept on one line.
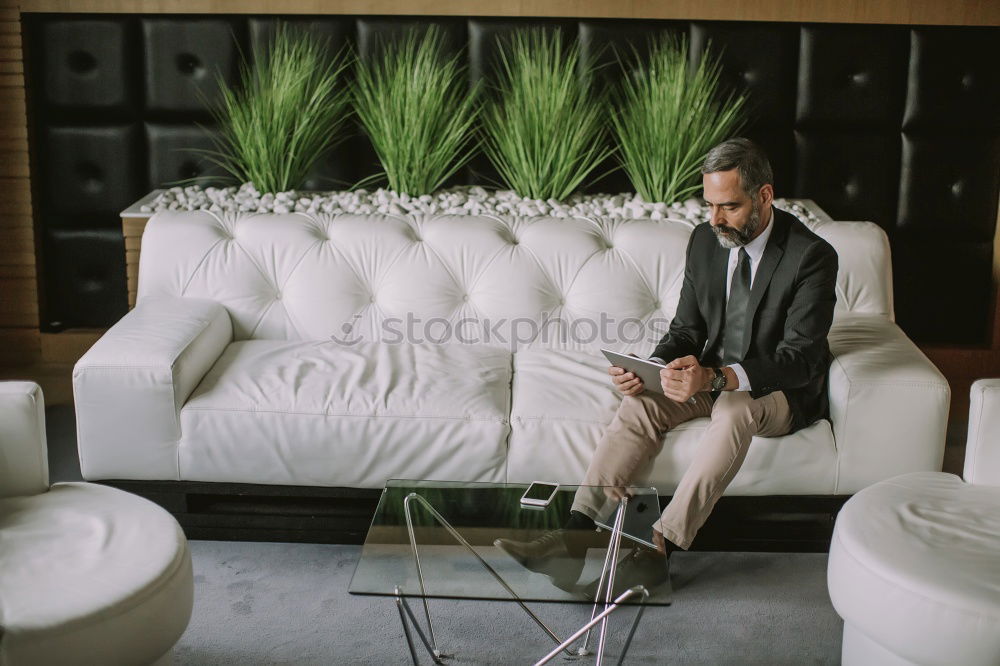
[(20, 341), (935, 12)]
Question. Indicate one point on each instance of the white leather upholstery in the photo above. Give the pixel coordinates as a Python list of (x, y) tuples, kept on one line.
[(88, 574), (864, 278), (555, 424), (982, 450), (888, 403), (314, 413), (24, 465), (860, 650), (274, 273), (304, 294), (129, 387), (298, 277), (914, 565)]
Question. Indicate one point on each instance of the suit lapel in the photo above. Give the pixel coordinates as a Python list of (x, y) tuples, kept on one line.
[(773, 252)]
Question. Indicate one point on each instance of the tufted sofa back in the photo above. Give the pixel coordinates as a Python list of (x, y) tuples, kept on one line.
[(578, 283)]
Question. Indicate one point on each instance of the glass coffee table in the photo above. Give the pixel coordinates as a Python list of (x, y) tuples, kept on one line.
[(435, 539)]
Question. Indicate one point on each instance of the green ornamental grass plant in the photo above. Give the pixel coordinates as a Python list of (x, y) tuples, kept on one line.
[(668, 118), (286, 113), (544, 129), (415, 107)]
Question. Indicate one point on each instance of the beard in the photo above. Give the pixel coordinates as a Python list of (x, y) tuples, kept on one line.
[(730, 237)]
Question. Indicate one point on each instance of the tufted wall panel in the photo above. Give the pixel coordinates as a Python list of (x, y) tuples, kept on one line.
[(892, 124), (91, 262), (92, 169), (181, 58), (88, 66)]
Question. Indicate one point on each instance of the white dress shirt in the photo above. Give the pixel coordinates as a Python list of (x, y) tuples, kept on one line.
[(755, 250)]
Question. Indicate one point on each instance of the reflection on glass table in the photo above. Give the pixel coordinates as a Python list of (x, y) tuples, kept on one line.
[(435, 539)]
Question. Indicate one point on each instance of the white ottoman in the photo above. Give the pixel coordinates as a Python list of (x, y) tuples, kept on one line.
[(914, 565), (88, 574)]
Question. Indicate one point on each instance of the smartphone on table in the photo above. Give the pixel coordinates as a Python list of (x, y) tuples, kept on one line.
[(539, 494)]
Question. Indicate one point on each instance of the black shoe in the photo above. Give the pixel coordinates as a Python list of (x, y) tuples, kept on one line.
[(554, 554), (642, 566)]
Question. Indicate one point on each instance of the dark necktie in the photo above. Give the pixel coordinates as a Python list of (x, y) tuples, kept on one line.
[(736, 311)]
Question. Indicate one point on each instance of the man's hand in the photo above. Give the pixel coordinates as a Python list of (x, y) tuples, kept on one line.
[(683, 377), (625, 381)]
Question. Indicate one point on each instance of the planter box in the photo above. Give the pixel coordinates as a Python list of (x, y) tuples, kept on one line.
[(133, 224)]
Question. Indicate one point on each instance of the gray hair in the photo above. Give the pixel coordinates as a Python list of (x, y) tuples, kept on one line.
[(745, 156)]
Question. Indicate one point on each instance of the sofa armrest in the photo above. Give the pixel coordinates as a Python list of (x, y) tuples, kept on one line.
[(982, 447), (888, 403), (130, 386), (24, 461)]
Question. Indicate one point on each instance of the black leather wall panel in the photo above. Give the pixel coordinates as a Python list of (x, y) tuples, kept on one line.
[(182, 58), (949, 185), (779, 143), (171, 159), (893, 124), (92, 170), (954, 81), (852, 76), (940, 284), (89, 65), (339, 32), (758, 58), (604, 43), (854, 175), (91, 289)]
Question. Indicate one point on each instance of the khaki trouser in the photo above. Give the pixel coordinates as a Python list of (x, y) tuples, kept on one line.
[(625, 454)]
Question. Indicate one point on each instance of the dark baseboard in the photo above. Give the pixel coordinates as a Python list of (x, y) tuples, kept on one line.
[(311, 514), (771, 523)]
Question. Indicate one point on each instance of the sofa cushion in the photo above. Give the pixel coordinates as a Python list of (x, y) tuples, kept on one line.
[(316, 413), (90, 574), (564, 400), (914, 566)]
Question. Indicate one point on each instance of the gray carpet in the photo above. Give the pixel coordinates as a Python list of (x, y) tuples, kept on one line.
[(274, 603)]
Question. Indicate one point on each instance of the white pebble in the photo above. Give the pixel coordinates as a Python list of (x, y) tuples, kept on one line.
[(458, 200)]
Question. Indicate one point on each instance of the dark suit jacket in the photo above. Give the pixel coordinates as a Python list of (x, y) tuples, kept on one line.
[(791, 302)]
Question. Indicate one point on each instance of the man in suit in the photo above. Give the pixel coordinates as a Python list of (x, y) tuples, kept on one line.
[(747, 347)]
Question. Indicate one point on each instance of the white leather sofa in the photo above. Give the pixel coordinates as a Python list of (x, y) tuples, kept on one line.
[(274, 349), (914, 565), (88, 574)]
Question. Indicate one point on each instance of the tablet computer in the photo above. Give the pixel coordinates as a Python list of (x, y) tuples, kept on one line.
[(647, 371), (641, 512)]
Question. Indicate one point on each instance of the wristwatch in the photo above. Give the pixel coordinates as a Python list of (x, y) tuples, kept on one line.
[(719, 380)]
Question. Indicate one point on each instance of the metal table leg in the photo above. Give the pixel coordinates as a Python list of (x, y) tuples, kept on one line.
[(606, 582), (602, 617), (414, 497), (605, 586), (406, 614), (406, 628)]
